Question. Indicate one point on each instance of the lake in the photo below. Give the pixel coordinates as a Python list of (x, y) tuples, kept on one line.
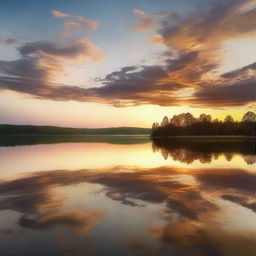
[(126, 195)]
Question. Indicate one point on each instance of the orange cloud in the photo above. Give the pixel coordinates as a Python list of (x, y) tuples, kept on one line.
[(156, 39), (90, 24), (187, 76), (208, 30)]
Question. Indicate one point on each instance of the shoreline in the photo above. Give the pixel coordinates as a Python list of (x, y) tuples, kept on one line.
[(206, 137)]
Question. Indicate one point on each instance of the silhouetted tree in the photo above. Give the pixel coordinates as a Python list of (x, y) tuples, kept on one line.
[(249, 117), (183, 120), (154, 126), (229, 119), (205, 118), (186, 124), (165, 121)]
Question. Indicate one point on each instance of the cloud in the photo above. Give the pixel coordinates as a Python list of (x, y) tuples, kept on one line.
[(59, 14), (23, 68), (125, 186), (71, 24), (206, 239), (8, 40), (28, 203), (244, 72), (145, 83), (192, 221), (242, 200), (11, 41), (236, 179), (77, 50), (156, 39), (187, 76), (190, 200), (90, 24), (145, 21), (41, 62), (236, 94), (76, 220), (207, 29), (203, 33)]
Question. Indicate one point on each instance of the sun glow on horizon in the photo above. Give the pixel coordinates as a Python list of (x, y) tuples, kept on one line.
[(93, 67)]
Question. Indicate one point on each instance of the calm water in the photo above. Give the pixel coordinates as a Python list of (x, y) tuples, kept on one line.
[(127, 196)]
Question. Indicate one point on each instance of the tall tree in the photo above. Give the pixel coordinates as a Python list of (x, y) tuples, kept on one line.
[(249, 117), (205, 118), (165, 121), (229, 119)]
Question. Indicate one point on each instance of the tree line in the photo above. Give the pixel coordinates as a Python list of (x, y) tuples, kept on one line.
[(185, 124)]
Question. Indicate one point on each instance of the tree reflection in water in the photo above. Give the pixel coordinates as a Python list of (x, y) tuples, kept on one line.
[(189, 150)]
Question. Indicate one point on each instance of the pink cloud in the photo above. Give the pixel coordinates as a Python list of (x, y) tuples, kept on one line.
[(59, 14)]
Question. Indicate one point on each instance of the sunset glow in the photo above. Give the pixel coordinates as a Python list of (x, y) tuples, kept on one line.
[(107, 64)]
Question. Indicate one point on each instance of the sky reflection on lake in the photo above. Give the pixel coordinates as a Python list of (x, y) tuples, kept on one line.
[(126, 199)]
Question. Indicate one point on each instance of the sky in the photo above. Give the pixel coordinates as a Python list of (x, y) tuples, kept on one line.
[(98, 63)]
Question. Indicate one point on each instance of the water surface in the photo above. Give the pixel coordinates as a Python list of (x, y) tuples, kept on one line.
[(127, 196)]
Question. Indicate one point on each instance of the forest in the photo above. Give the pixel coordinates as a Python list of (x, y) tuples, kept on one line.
[(9, 129), (186, 124)]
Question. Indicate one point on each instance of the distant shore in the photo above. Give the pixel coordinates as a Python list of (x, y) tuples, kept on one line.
[(33, 130)]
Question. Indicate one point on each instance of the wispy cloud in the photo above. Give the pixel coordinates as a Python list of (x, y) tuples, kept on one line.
[(59, 14), (90, 24), (146, 21)]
